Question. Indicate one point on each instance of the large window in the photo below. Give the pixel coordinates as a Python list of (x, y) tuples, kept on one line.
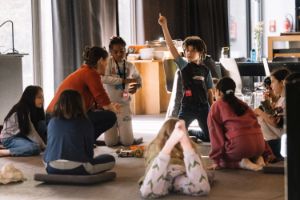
[(126, 20)]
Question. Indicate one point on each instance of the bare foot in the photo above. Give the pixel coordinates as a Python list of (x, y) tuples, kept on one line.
[(4, 152), (247, 164), (260, 161)]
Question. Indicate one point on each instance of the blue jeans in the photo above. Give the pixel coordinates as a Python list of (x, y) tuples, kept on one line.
[(190, 113), (21, 146)]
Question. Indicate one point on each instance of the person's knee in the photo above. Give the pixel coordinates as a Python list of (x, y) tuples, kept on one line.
[(31, 150), (111, 142), (111, 116), (35, 149)]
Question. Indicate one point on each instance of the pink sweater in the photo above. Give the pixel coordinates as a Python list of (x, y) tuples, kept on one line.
[(233, 137)]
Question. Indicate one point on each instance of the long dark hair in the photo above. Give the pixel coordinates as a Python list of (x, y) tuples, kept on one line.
[(91, 55), (280, 74), (25, 107), (227, 86), (69, 105)]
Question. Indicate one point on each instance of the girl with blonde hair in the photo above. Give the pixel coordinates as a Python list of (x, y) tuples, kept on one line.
[(173, 164)]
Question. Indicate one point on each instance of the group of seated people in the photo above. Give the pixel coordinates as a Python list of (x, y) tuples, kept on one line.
[(95, 99)]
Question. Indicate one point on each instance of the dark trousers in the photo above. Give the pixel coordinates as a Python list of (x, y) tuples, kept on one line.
[(102, 163), (102, 120), (200, 113), (275, 146)]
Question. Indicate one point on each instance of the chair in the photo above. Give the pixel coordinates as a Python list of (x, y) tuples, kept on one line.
[(234, 73), (266, 66), (170, 68)]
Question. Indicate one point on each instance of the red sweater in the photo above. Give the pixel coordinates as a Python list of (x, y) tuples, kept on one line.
[(229, 133), (88, 83)]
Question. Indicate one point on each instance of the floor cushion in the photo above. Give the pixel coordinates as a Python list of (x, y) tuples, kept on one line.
[(274, 168)]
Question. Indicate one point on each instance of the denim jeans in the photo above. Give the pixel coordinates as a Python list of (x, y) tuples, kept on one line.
[(200, 113), (21, 146)]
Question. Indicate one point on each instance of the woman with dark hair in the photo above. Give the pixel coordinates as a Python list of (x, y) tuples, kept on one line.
[(24, 129), (71, 139), (121, 80), (87, 81), (272, 122), (236, 138)]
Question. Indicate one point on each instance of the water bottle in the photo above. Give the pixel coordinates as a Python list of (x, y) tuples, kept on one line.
[(253, 55)]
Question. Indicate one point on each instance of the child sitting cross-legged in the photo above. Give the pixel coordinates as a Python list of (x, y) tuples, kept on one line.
[(71, 138)]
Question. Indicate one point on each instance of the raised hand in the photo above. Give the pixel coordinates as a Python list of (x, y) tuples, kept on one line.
[(162, 20)]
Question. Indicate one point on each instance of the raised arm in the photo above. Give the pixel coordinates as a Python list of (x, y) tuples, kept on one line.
[(164, 25)]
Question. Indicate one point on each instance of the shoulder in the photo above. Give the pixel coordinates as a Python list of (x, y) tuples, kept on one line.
[(181, 62), (13, 117), (215, 107)]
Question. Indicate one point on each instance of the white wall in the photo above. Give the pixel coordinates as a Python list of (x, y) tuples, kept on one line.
[(276, 10)]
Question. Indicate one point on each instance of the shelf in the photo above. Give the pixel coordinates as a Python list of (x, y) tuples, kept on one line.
[(290, 52)]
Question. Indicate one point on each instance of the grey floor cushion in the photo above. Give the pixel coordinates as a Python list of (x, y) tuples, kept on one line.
[(274, 168), (75, 179)]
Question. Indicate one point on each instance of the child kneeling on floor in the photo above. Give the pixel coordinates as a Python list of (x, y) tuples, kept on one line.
[(235, 134), (173, 164), (71, 138)]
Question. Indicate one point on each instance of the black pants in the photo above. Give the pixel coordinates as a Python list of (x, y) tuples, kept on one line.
[(101, 163), (275, 146), (102, 120)]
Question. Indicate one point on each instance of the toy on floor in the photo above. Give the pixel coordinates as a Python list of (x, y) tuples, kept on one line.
[(131, 151)]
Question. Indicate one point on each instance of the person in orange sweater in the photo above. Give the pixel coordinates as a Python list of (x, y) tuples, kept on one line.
[(85, 80)]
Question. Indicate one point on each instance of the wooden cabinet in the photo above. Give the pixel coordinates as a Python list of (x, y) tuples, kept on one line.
[(285, 52), (153, 97)]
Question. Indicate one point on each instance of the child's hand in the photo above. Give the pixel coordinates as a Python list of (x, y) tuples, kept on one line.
[(162, 20), (133, 87), (180, 125), (116, 107), (129, 80)]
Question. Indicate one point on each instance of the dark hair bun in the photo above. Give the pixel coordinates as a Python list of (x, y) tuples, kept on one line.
[(91, 55)]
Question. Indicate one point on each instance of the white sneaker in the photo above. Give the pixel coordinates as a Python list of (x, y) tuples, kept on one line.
[(247, 164)]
